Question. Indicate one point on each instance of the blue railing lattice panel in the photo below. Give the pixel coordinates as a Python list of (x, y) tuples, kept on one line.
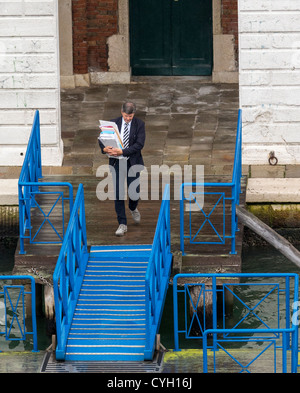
[(206, 218), (275, 293), (46, 217), (253, 310), (194, 304), (17, 311), (14, 317)]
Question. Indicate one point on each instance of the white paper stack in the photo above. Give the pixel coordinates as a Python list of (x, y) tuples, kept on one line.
[(110, 136)]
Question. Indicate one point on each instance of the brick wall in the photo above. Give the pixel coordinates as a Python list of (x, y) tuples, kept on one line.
[(29, 79), (93, 22), (229, 21), (80, 45), (269, 70)]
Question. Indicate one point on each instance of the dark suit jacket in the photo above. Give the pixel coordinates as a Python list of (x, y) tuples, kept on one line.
[(136, 142)]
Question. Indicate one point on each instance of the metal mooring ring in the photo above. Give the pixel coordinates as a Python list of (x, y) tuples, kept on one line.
[(272, 159)]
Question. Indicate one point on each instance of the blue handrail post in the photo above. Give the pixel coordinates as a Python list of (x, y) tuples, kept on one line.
[(33, 308), (204, 352), (175, 311), (287, 303), (181, 218), (38, 150), (233, 220), (295, 326), (284, 351), (214, 300)]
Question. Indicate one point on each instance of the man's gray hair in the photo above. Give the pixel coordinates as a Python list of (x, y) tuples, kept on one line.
[(129, 107)]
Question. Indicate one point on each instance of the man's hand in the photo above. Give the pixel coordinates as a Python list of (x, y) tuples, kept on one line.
[(115, 152), (108, 149)]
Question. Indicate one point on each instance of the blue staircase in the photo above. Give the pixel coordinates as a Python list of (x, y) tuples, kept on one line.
[(109, 321), (109, 300)]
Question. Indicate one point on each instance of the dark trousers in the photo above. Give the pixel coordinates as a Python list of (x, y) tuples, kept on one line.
[(122, 175)]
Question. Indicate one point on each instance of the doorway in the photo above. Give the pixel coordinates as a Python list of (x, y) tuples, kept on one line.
[(171, 37)]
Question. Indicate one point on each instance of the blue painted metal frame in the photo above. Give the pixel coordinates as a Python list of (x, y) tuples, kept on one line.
[(69, 272), (46, 217), (158, 274), (229, 335), (288, 335), (29, 185), (235, 186), (207, 218), (14, 308), (71, 265)]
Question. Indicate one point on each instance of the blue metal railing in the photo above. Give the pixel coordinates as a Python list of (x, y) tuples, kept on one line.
[(234, 185), (285, 308), (288, 347), (158, 273), (13, 306), (29, 189), (69, 272)]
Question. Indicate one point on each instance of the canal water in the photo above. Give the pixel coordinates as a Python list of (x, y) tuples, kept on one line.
[(255, 260)]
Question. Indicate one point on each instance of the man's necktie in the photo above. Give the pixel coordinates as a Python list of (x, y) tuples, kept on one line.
[(126, 136)]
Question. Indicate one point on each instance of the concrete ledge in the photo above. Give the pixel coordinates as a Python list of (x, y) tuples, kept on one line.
[(105, 78), (9, 192), (281, 190)]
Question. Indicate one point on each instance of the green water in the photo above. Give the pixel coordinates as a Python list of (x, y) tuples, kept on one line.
[(255, 260)]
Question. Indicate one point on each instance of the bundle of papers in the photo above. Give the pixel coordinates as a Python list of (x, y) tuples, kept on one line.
[(110, 136)]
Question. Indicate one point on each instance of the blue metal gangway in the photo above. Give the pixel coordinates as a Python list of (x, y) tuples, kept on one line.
[(109, 299)]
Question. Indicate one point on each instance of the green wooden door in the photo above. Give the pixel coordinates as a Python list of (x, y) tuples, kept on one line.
[(171, 37)]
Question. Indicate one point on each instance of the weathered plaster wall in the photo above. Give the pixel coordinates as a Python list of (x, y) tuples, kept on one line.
[(29, 79), (225, 41), (269, 66)]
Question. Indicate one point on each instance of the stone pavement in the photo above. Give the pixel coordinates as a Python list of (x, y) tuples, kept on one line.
[(188, 121)]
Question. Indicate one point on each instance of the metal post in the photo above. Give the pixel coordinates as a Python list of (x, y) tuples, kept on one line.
[(33, 311), (181, 219), (284, 349), (233, 219), (204, 352), (175, 313), (214, 289)]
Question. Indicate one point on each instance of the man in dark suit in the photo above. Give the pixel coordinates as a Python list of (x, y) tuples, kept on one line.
[(132, 131)]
